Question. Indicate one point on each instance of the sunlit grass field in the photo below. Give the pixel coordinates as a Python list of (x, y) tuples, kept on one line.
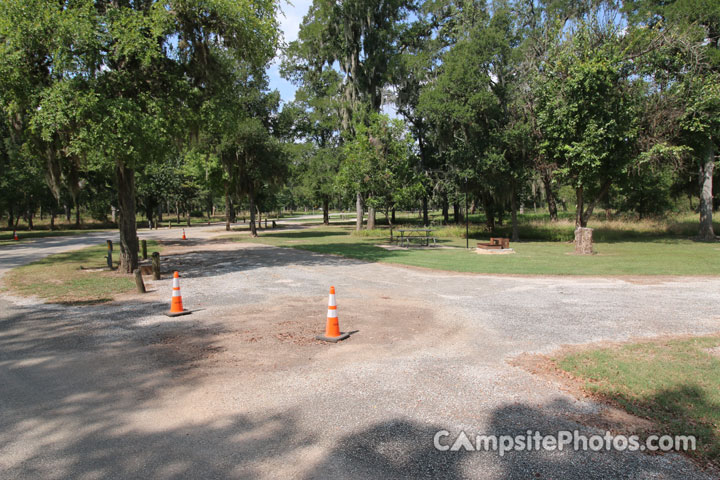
[(640, 253)]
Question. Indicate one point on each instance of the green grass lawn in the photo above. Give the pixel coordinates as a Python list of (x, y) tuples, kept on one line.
[(655, 256), (674, 383), (71, 278)]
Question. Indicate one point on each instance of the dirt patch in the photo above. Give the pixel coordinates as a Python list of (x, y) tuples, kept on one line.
[(183, 350), (291, 331), (281, 336)]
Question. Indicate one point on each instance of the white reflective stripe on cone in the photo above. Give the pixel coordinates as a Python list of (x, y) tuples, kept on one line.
[(332, 314), (176, 293), (176, 283), (331, 300)]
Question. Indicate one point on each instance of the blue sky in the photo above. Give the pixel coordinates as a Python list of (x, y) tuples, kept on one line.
[(290, 21)]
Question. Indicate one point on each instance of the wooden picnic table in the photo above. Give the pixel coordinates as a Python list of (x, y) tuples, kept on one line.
[(409, 234)]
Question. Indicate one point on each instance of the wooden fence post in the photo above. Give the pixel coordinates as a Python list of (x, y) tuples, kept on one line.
[(156, 265), (139, 281), (143, 244)]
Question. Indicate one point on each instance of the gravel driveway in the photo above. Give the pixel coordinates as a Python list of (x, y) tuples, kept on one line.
[(239, 389)]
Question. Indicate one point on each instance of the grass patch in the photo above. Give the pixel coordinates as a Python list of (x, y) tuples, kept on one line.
[(674, 383), (655, 256), (71, 278)]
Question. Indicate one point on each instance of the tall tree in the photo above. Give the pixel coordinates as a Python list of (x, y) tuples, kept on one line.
[(126, 75), (683, 37), (587, 113), (362, 38)]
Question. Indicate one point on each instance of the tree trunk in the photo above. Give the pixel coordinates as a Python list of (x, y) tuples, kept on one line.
[(706, 196), (426, 217), (128, 231), (534, 199), (457, 216), (515, 237), (253, 227), (358, 212), (227, 207), (371, 218), (77, 213), (326, 210), (392, 216), (550, 195), (445, 211), (579, 208), (177, 212), (68, 213), (489, 213), (586, 213), (52, 219)]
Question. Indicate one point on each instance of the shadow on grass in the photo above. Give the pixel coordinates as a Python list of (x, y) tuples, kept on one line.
[(682, 410), (310, 233)]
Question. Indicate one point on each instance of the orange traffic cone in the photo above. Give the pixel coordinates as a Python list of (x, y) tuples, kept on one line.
[(332, 329), (15, 237), (184, 237), (176, 306)]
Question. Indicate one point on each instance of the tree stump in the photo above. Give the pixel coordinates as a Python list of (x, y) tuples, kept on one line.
[(156, 265), (584, 241)]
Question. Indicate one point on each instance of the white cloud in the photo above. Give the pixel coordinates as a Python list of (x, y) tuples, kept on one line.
[(292, 14)]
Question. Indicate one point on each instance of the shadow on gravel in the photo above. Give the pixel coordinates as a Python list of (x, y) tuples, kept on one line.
[(84, 393), (389, 450), (80, 397), (402, 449), (219, 262)]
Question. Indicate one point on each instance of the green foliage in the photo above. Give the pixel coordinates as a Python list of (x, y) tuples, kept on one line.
[(587, 111), (377, 163)]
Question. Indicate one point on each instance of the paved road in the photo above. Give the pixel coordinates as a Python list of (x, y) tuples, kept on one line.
[(239, 389), (12, 256), (25, 252)]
